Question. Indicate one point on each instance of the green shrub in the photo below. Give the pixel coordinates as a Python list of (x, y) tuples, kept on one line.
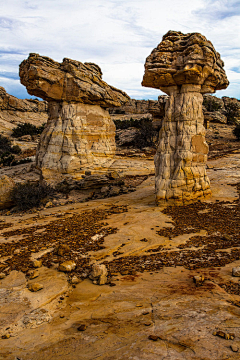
[(232, 112), (15, 149), (5, 144), (236, 131), (211, 104), (148, 134), (29, 195), (27, 129)]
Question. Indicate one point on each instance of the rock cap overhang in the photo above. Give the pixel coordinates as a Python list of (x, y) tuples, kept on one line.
[(69, 81), (185, 59)]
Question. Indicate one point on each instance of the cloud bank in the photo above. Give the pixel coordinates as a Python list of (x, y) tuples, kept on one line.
[(118, 35)]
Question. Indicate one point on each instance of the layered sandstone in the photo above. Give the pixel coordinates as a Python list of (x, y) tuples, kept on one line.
[(80, 134), (184, 67), (14, 111)]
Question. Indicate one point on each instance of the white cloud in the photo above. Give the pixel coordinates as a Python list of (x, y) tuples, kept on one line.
[(118, 35)]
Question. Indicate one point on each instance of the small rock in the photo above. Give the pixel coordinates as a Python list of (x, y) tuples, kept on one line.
[(61, 316), (75, 280), (153, 337), (37, 263), (2, 275), (104, 189), (6, 336), (145, 312), (67, 266), (82, 327), (236, 271), (17, 251), (63, 249), (115, 190), (88, 173), (35, 287), (99, 274), (198, 279), (49, 204), (234, 348), (148, 323), (33, 274)]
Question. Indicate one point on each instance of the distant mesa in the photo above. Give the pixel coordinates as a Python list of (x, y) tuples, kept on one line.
[(184, 66), (80, 134)]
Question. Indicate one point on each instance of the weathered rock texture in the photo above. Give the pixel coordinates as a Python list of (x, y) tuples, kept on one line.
[(79, 134), (184, 67), (14, 111)]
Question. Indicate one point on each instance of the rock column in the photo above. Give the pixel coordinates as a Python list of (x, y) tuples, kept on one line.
[(181, 156), (80, 134), (185, 66)]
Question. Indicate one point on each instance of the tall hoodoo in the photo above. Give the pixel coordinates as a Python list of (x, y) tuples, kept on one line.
[(184, 66), (80, 134)]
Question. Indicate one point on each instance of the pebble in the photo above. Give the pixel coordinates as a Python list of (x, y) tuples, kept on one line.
[(153, 337), (33, 274), (37, 263), (6, 336), (63, 249), (35, 287), (67, 266), (198, 279), (236, 271), (2, 275), (75, 280), (234, 348), (82, 327)]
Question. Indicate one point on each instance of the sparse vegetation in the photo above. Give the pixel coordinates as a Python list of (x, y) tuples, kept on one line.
[(27, 129), (232, 112), (148, 133), (6, 152), (211, 104), (29, 195), (236, 131)]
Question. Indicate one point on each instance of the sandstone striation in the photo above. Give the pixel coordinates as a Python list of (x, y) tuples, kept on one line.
[(80, 134), (184, 67)]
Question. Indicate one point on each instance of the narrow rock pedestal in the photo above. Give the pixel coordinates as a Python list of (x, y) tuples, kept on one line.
[(78, 137), (181, 156), (79, 134), (184, 66)]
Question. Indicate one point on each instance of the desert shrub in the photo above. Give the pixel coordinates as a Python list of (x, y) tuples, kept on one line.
[(15, 149), (232, 112), (236, 131), (5, 144), (211, 104), (27, 129), (125, 124), (148, 133), (29, 195)]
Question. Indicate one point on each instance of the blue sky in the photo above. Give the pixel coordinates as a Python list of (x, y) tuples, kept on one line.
[(117, 35)]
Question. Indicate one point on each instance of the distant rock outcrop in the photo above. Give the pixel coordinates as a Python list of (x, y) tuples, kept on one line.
[(14, 111), (184, 67), (80, 134), (154, 109)]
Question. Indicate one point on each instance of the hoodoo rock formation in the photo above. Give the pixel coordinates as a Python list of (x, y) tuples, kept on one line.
[(185, 67), (80, 134)]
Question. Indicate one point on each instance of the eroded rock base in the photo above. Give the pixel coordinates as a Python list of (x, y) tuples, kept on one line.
[(77, 137), (181, 156)]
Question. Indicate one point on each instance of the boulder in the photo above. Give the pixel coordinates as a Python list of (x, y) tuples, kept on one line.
[(6, 188), (99, 274), (184, 66)]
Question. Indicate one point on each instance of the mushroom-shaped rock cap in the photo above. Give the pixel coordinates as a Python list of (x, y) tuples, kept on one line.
[(70, 81), (185, 59)]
